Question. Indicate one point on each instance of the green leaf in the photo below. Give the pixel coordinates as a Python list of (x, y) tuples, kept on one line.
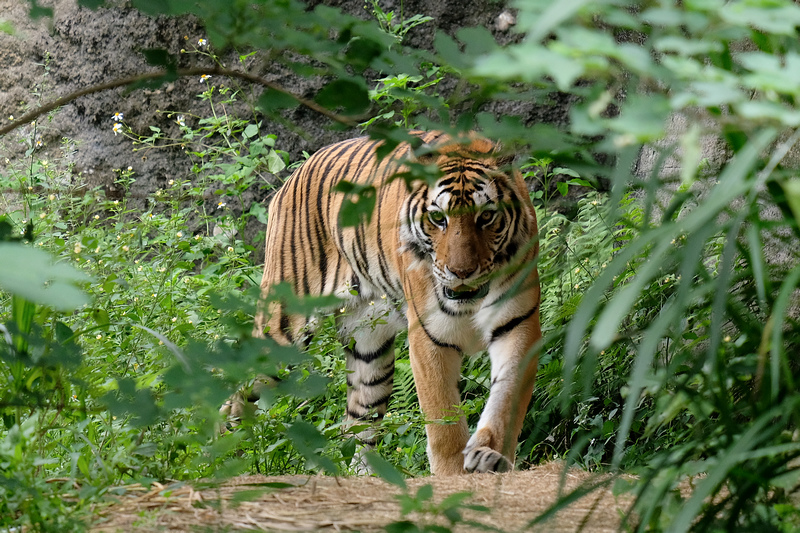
[(159, 57), (258, 211), (36, 11), (772, 17), (34, 275), (358, 204), (251, 131), (349, 95), (272, 100), (477, 41), (791, 188), (385, 470), (448, 50), (361, 52), (275, 162), (309, 442)]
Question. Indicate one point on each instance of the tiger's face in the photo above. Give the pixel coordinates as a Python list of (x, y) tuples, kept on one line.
[(465, 227)]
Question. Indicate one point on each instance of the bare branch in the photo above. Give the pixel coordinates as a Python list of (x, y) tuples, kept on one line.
[(212, 71)]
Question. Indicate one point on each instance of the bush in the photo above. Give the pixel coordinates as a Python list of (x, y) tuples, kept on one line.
[(669, 333)]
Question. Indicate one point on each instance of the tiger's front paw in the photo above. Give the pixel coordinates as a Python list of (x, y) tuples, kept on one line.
[(484, 459)]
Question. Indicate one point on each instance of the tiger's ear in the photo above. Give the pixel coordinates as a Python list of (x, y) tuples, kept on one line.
[(426, 154), (503, 158)]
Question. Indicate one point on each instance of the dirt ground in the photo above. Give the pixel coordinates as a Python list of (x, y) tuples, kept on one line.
[(361, 504)]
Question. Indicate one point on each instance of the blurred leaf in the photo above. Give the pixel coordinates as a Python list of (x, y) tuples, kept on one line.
[(385, 470), (158, 57), (36, 11), (35, 276), (272, 100), (358, 203), (349, 95), (307, 440)]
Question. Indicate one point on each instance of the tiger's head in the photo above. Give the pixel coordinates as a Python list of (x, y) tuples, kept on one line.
[(469, 223)]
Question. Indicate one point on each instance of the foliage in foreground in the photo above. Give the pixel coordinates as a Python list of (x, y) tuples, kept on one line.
[(670, 333)]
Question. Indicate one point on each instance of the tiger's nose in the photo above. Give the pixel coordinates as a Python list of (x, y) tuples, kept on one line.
[(460, 273)]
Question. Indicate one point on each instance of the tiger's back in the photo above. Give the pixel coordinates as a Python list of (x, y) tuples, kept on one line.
[(435, 257)]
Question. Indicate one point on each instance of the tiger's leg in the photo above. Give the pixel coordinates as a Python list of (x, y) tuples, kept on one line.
[(437, 370), (492, 447), (368, 337)]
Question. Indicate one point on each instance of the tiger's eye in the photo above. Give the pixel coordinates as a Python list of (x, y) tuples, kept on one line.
[(437, 217), (487, 216)]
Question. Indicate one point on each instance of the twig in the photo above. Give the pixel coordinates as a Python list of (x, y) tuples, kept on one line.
[(211, 71)]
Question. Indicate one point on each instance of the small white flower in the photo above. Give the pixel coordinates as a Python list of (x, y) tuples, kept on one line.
[(179, 234), (117, 128), (197, 237), (118, 117), (221, 204), (126, 248), (174, 319), (204, 78), (77, 248), (201, 42), (99, 337), (97, 217), (181, 120), (230, 248), (171, 182), (51, 197)]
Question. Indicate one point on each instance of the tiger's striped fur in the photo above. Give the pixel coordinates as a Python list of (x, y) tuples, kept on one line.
[(454, 262)]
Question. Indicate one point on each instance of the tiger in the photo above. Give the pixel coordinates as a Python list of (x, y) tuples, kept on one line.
[(453, 261)]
